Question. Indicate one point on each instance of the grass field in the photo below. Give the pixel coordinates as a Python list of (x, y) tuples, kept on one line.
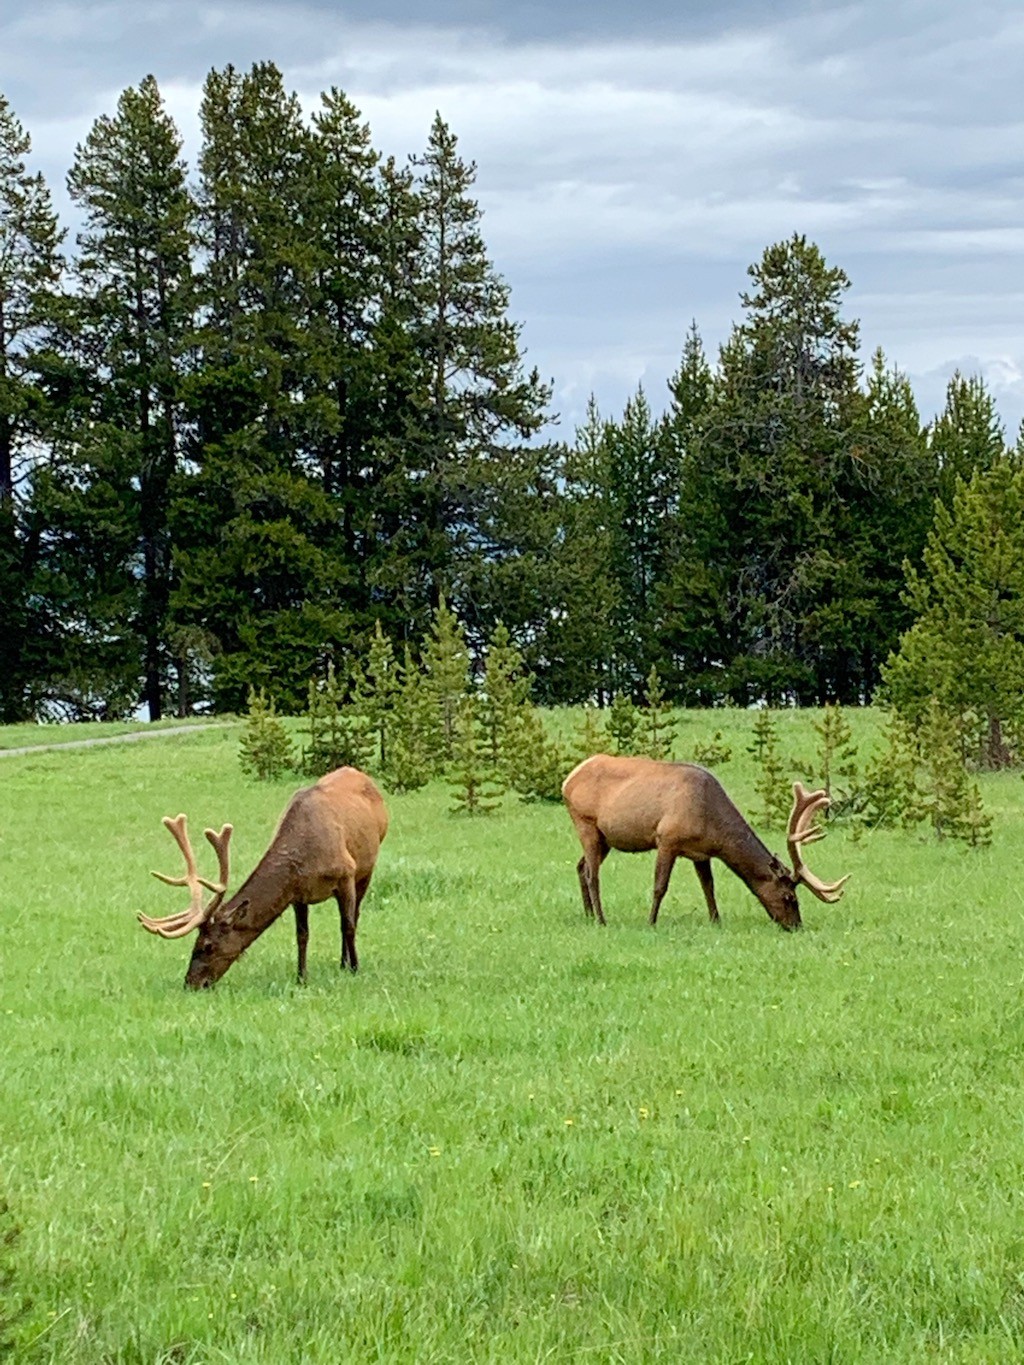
[(513, 1136)]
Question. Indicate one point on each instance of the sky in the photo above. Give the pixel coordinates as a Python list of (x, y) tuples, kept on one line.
[(634, 159)]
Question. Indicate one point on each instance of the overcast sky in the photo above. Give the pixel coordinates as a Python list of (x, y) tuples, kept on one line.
[(634, 159)]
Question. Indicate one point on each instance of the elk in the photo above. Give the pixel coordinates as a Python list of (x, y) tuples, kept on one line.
[(326, 844), (638, 804)]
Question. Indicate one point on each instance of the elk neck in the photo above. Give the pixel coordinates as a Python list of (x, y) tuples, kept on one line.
[(744, 853), (264, 895)]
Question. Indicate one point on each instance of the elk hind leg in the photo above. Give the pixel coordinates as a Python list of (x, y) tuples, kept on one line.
[(348, 909), (595, 850), (362, 886), (301, 935), (662, 874), (581, 872)]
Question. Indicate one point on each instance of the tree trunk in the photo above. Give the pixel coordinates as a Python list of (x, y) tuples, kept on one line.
[(997, 751)]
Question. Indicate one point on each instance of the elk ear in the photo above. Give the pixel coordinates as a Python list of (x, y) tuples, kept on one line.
[(229, 919)]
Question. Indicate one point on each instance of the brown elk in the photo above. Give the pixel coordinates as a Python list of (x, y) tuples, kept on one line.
[(326, 844), (638, 804)]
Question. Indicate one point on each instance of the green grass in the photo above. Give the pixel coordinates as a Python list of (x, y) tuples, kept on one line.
[(513, 1136)]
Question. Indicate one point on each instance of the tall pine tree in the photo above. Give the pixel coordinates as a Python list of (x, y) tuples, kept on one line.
[(481, 404), (129, 320), (261, 550), (29, 273)]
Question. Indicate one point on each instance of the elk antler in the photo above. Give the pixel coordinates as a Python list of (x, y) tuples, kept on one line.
[(805, 806), (177, 926)]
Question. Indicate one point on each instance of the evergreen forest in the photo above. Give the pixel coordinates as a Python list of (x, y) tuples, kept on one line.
[(258, 412)]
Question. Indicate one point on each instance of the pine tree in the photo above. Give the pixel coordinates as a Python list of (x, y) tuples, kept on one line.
[(768, 455), (446, 677), (837, 754), (891, 792), (952, 802), (506, 692), (967, 435), (579, 634), (405, 546), (691, 388), (476, 784), (346, 222), (770, 783), (881, 518), (86, 509), (375, 690), (516, 571), (538, 765), (657, 724), (338, 734), (965, 649), (713, 752), (29, 272), (640, 502), (265, 751), (624, 723), (134, 313), (413, 757), (261, 550), (589, 735), (480, 400)]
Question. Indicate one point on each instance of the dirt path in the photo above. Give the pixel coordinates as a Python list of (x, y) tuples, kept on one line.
[(127, 738)]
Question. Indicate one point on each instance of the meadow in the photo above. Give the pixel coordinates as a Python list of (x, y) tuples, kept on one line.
[(513, 1136)]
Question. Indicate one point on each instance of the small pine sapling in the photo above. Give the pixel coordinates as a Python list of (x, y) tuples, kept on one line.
[(446, 675), (952, 802), (337, 735), (413, 757), (265, 750), (538, 765), (770, 783), (476, 787), (837, 766), (623, 724), (658, 728), (974, 826), (712, 753), (506, 691), (891, 794), (375, 688), (589, 735)]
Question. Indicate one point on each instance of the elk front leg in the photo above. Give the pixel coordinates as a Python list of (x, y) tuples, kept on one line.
[(348, 909), (707, 882), (301, 935), (662, 874)]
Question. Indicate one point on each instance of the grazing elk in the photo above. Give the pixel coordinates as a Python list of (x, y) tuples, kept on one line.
[(326, 844), (680, 809)]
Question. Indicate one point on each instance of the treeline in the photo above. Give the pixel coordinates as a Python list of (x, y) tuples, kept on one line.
[(256, 411), (425, 716)]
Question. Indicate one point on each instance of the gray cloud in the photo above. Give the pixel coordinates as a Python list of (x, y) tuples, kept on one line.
[(632, 163)]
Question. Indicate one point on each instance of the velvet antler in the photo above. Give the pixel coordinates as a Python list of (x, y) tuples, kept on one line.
[(805, 806), (177, 926)]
